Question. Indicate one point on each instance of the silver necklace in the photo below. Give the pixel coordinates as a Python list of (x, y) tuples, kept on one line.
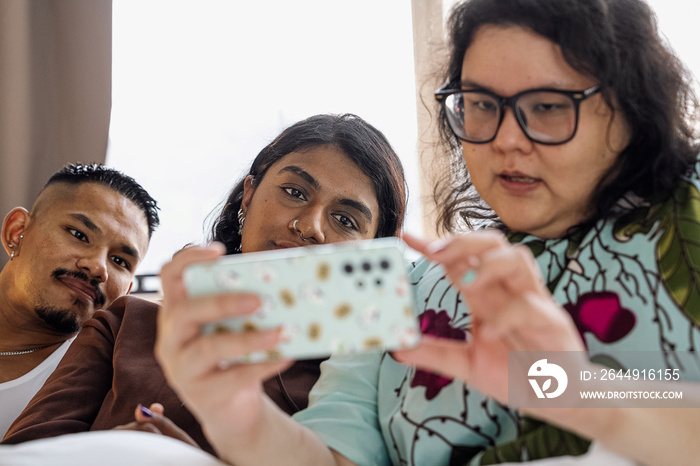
[(17, 353)]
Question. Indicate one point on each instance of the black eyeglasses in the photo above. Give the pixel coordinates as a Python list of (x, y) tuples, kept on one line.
[(546, 116)]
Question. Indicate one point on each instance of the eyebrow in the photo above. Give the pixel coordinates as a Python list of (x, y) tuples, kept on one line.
[(90, 225), (85, 220), (468, 84), (303, 174), (359, 206)]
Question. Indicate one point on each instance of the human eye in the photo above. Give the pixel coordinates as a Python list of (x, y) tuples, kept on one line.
[(549, 103), (294, 192), (346, 222), (121, 262), (548, 107), (78, 234), (485, 105), (479, 103)]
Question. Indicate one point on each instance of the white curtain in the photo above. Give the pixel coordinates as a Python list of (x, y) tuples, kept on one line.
[(429, 55)]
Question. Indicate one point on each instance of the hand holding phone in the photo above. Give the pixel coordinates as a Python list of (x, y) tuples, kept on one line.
[(329, 299)]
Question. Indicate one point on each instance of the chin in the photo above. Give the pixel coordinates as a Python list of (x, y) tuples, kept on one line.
[(60, 320)]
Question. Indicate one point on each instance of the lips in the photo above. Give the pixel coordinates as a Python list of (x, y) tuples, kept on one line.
[(520, 179), (287, 245), (518, 184), (82, 285), (79, 287)]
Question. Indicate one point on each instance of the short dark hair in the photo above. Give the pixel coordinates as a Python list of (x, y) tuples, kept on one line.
[(78, 173), (617, 42), (361, 142)]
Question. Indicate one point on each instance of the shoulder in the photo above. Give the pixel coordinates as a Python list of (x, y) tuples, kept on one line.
[(122, 310)]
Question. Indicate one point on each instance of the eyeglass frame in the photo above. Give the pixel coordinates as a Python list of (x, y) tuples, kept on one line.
[(576, 96)]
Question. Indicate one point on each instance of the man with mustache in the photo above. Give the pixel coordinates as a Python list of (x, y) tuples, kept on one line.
[(73, 253)]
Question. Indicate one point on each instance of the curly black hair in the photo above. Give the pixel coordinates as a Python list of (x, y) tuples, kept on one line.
[(617, 42)]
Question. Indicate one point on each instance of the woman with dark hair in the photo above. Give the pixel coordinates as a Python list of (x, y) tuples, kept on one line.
[(326, 179), (636, 74), (570, 127), (352, 136)]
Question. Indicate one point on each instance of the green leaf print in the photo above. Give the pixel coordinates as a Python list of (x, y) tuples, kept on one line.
[(678, 250), (537, 441), (537, 247), (637, 220)]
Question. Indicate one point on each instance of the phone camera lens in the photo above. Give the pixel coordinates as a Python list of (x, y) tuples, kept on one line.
[(348, 268), (384, 264), (366, 266)]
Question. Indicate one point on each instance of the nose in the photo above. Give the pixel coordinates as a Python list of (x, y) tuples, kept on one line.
[(310, 225), (95, 264), (510, 136)]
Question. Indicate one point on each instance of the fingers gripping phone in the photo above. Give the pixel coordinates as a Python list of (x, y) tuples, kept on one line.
[(329, 299)]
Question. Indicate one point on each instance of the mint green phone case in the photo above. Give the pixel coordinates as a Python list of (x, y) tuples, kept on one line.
[(330, 299)]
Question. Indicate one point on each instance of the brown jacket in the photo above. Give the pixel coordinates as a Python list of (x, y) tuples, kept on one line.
[(110, 368)]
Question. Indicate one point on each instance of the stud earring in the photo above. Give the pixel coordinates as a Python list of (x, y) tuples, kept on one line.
[(12, 255)]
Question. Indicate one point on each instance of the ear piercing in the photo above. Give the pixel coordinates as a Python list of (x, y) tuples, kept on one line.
[(301, 235), (241, 219), (12, 245)]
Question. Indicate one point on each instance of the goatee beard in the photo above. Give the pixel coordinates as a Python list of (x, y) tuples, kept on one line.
[(60, 320)]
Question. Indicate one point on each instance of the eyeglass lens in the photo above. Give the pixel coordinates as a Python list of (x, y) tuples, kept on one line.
[(547, 117)]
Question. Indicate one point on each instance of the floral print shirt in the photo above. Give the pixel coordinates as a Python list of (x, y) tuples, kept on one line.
[(630, 283)]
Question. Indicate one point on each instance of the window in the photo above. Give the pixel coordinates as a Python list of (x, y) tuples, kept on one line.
[(200, 87)]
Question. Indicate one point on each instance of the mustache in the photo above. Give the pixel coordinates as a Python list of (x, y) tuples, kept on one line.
[(100, 298)]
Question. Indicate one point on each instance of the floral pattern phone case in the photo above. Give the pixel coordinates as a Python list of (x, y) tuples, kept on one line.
[(329, 299)]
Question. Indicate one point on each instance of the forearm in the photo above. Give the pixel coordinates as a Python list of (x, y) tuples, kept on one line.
[(668, 435), (649, 435), (275, 438)]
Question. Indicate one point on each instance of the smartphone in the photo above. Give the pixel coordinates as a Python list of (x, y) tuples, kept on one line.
[(329, 299)]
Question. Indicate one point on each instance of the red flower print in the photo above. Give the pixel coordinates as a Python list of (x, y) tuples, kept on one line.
[(435, 324), (601, 314)]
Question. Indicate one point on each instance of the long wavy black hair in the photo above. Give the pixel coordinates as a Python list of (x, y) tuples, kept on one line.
[(617, 42), (361, 142)]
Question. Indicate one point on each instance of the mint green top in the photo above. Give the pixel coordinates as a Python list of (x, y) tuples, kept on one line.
[(631, 283)]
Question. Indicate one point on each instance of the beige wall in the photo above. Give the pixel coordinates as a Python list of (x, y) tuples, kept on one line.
[(55, 91)]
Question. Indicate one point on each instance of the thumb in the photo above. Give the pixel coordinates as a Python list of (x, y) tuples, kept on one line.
[(166, 427), (157, 408)]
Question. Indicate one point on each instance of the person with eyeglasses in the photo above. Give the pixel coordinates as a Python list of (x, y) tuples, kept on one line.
[(570, 130)]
